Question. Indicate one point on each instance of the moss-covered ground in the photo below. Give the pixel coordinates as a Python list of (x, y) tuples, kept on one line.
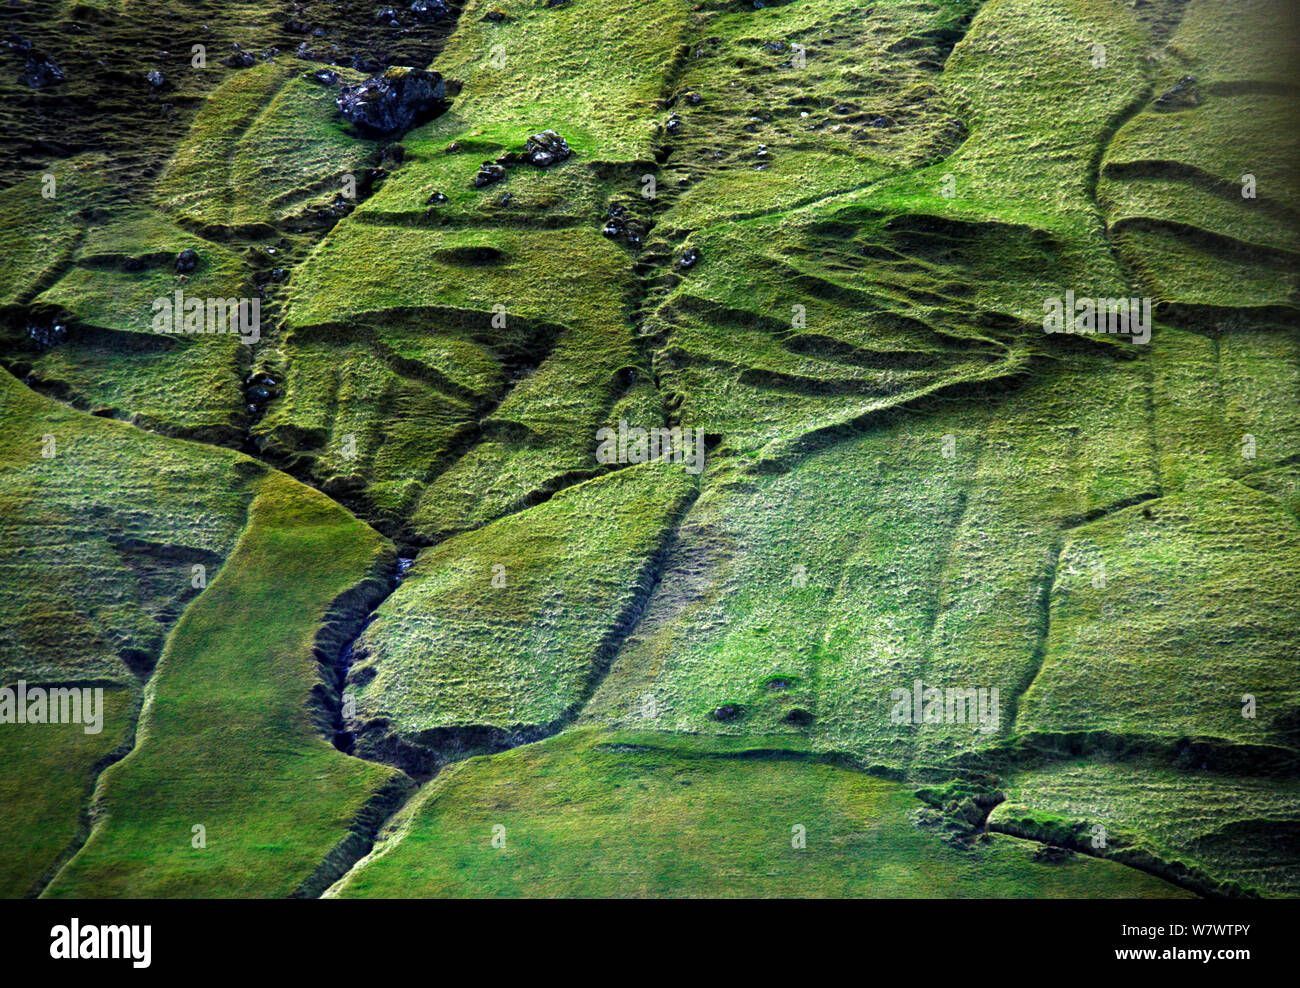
[(823, 234)]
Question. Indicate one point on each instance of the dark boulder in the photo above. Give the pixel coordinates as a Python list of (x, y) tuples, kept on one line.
[(156, 78), (393, 102), (187, 260), (690, 258), (40, 71), (545, 149), (429, 10), (728, 711), (240, 60), (488, 173)]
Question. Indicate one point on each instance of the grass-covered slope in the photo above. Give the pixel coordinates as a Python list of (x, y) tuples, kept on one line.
[(49, 772), (501, 633), (92, 579), (226, 741), (594, 814), (823, 234), (1200, 186)]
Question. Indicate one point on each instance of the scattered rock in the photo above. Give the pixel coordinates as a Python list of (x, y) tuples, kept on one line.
[(619, 222), (240, 60), (545, 149), (393, 102), (454, 147), (429, 10), (1182, 94), (728, 711), (437, 199), (259, 388), (40, 71), (494, 16), (48, 336), (187, 260), (690, 258), (779, 683), (673, 124), (156, 78), (488, 173)]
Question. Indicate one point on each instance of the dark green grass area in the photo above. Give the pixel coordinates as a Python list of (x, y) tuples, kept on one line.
[(97, 572), (597, 814)]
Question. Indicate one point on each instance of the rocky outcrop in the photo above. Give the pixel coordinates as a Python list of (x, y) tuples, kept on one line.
[(392, 103)]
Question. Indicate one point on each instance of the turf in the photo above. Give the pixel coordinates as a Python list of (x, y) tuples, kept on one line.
[(839, 278), (594, 814), (226, 740)]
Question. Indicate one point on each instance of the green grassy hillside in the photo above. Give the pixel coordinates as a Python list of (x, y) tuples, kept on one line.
[(822, 235)]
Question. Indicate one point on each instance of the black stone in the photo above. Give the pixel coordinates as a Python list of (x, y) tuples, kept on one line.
[(545, 149), (488, 173), (40, 71), (429, 10), (393, 102), (239, 60)]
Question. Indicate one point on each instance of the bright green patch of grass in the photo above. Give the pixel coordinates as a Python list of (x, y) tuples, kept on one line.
[(595, 814), (226, 741)]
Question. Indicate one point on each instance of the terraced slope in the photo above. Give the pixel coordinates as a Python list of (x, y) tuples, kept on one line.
[(820, 235)]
